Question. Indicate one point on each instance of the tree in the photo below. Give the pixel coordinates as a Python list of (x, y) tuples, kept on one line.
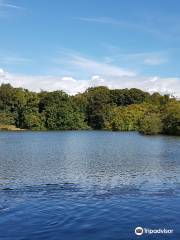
[(6, 118), (98, 100), (60, 113), (151, 124), (6, 97), (96, 108), (124, 97), (126, 118), (33, 121), (171, 118)]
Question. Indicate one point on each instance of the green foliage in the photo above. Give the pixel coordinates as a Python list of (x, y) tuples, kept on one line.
[(6, 97), (124, 97), (60, 113), (151, 124), (96, 108), (171, 118), (33, 121), (98, 100), (6, 118), (126, 118), (80, 101)]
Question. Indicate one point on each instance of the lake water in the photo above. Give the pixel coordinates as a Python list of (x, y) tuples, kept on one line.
[(88, 185)]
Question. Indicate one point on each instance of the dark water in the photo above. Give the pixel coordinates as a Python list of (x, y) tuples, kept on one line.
[(88, 185)]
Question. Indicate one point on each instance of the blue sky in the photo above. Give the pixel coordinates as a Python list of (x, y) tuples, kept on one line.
[(68, 44)]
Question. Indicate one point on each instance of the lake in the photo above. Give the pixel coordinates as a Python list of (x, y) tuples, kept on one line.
[(88, 185)]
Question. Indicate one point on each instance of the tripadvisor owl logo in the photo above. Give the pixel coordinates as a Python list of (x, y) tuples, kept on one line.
[(139, 231)]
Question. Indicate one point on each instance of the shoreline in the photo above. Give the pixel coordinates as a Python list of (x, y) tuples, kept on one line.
[(10, 128)]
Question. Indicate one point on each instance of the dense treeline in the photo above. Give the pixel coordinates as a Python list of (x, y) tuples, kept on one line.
[(96, 108)]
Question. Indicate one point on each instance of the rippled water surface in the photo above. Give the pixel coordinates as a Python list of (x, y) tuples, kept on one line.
[(88, 185)]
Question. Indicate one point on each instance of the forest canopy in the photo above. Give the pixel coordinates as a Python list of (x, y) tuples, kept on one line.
[(98, 108)]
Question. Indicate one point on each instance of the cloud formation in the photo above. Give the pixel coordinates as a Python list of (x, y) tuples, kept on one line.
[(74, 62), (96, 67), (73, 86), (76, 72), (3, 4)]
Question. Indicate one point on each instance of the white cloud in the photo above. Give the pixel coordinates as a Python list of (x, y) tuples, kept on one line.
[(95, 67), (88, 66), (3, 4), (4, 76), (47, 83), (72, 85), (77, 72), (9, 6)]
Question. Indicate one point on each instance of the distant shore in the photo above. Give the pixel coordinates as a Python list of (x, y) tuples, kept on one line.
[(13, 128), (98, 108)]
